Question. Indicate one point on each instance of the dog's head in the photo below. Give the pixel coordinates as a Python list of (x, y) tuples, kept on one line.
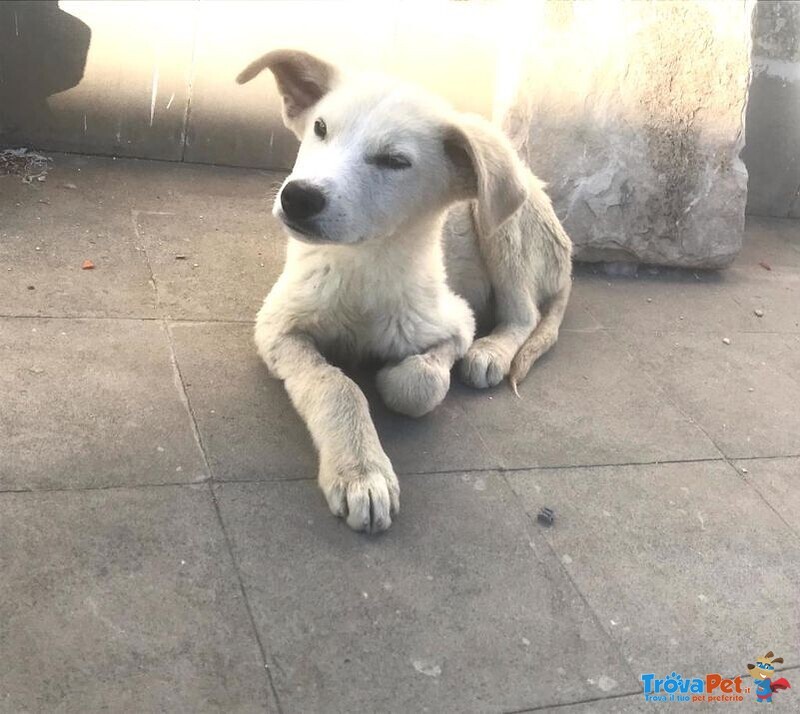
[(377, 157)]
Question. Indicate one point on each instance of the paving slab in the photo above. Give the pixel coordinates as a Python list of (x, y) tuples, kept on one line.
[(213, 264), (682, 563), (452, 610), (585, 402), (123, 600), (684, 303), (778, 482), (250, 429), (89, 403), (765, 277), (47, 231), (744, 395)]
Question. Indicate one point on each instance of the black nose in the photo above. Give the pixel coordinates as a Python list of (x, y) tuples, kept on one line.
[(301, 200)]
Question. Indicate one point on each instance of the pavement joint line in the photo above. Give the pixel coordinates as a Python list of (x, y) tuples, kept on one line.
[(412, 474), (615, 645), (243, 321), (745, 478), (104, 487), (592, 700), (245, 598), (180, 385)]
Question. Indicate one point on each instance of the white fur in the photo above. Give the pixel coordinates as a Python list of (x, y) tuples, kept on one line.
[(398, 263)]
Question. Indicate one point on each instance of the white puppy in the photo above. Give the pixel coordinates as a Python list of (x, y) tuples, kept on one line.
[(405, 220)]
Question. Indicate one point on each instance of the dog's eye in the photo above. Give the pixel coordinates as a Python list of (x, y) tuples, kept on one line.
[(320, 129), (390, 161)]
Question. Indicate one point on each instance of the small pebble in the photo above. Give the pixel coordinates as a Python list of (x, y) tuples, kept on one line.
[(180, 257), (70, 186), (758, 312), (546, 516), (649, 299), (726, 340), (751, 389), (744, 470)]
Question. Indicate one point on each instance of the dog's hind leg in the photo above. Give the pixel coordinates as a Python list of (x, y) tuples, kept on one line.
[(509, 265), (528, 261), (489, 358)]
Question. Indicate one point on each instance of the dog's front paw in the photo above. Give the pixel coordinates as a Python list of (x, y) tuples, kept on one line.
[(365, 495), (415, 386), (485, 364)]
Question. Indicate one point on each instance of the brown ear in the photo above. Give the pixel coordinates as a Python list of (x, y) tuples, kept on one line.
[(779, 660), (302, 81), (486, 167), (769, 654)]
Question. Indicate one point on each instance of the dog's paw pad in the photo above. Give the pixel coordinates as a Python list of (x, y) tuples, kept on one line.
[(484, 365), (366, 498)]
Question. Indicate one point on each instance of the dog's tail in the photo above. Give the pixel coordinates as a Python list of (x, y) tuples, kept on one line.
[(542, 338)]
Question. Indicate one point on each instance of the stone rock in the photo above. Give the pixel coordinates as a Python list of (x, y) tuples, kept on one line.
[(633, 113)]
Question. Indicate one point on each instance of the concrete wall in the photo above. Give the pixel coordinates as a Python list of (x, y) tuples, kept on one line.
[(156, 79), (772, 153)]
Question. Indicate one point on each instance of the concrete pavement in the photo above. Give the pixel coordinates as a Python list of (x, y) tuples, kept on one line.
[(165, 548)]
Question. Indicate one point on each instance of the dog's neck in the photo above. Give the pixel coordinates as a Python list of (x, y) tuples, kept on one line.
[(417, 243)]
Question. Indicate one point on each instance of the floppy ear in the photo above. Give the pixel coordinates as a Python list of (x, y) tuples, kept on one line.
[(779, 660), (302, 81), (485, 167)]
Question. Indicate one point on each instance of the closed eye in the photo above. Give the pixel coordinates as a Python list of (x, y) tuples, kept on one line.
[(389, 161)]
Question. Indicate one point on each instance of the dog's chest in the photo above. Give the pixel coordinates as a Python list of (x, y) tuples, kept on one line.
[(353, 308)]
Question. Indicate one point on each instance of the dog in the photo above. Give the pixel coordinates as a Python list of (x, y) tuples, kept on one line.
[(406, 222)]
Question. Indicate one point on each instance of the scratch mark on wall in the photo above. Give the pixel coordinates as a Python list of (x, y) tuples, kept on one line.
[(85, 128), (271, 139), (153, 95), (169, 103), (16, 25), (187, 114)]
